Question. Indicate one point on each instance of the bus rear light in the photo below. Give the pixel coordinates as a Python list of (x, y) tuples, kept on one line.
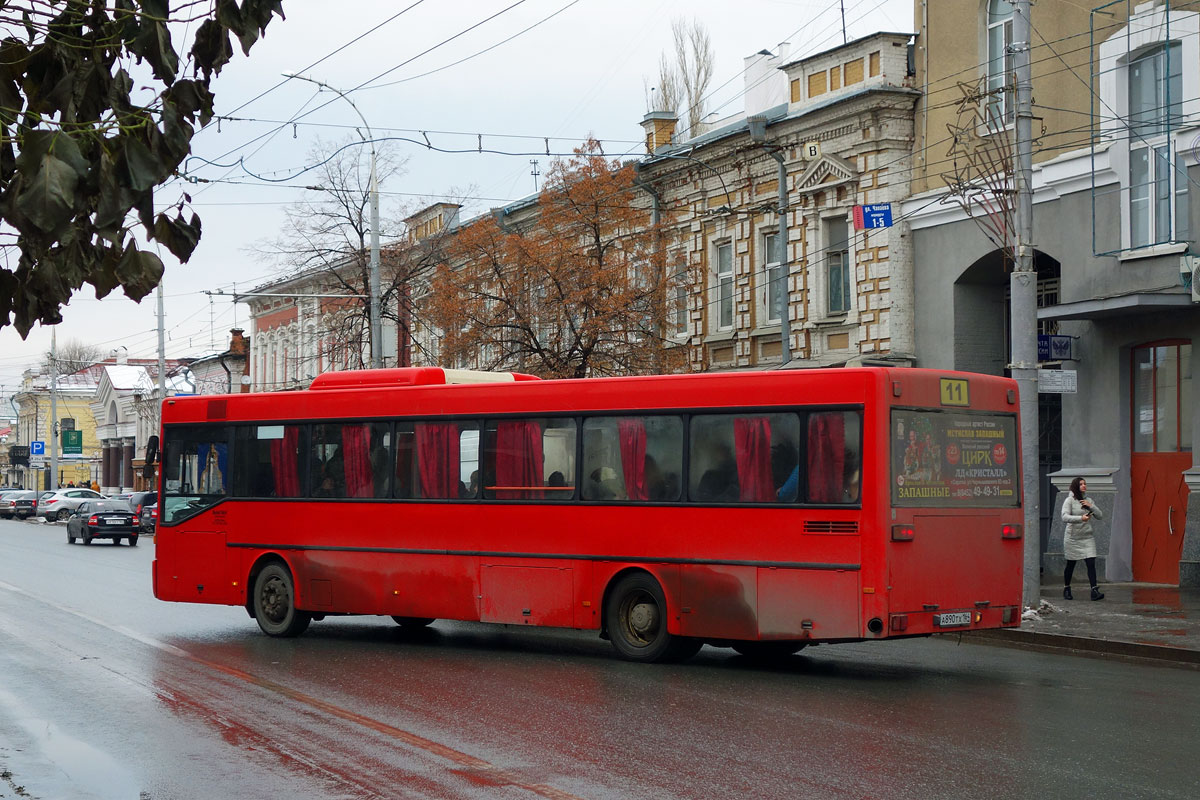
[(902, 533), (1010, 531), (899, 622)]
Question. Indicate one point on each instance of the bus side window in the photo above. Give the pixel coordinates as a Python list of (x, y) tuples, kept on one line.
[(632, 458), (743, 458), (438, 450), (529, 459), (268, 462), (834, 462)]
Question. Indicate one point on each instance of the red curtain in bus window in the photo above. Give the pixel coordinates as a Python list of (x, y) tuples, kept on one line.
[(284, 462), (356, 460), (752, 446), (437, 459), (519, 459), (826, 457), (633, 457)]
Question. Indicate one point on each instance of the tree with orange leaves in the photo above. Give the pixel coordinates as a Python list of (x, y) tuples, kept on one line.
[(579, 289)]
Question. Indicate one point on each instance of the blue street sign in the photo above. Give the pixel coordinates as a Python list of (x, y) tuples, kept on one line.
[(878, 215), (37, 448), (1053, 347)]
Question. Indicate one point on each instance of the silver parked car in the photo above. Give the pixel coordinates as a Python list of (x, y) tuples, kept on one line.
[(61, 504)]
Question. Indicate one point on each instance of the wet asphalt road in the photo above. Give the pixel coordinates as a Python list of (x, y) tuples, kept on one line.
[(107, 693)]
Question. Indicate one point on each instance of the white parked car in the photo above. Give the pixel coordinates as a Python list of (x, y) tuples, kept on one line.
[(61, 504)]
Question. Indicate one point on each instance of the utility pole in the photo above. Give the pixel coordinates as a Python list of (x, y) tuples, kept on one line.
[(375, 318), (162, 348), (1023, 293), (53, 409)]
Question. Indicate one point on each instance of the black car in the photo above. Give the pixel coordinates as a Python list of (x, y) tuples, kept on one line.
[(18, 504), (103, 519), (139, 500)]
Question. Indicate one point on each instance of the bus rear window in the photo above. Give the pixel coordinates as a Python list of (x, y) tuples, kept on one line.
[(954, 459)]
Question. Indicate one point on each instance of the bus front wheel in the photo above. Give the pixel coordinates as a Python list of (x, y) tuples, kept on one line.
[(637, 622), (275, 603)]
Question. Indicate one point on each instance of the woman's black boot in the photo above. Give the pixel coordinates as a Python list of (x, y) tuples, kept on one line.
[(1067, 593), (1097, 594)]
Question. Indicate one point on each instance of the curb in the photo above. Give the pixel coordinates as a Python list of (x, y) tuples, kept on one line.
[(1015, 637)]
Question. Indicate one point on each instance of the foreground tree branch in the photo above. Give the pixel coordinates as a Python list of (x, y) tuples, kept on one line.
[(80, 159)]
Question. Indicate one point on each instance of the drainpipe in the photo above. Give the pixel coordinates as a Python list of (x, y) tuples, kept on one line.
[(228, 373), (781, 243), (656, 217)]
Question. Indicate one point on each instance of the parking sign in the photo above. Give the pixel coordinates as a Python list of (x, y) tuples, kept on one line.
[(37, 448)]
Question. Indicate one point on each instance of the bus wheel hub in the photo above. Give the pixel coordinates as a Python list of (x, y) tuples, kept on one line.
[(643, 618)]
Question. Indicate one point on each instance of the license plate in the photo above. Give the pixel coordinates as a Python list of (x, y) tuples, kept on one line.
[(952, 619), (113, 520)]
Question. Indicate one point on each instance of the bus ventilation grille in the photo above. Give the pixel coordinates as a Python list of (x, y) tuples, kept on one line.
[(830, 526)]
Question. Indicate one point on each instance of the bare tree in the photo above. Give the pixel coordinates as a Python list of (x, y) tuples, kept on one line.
[(694, 58), (684, 74), (72, 356), (327, 239)]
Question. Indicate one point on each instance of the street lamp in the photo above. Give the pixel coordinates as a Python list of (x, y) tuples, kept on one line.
[(376, 326)]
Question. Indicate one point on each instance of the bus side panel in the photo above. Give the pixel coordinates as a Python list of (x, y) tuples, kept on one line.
[(809, 603), (719, 601), (517, 593), (432, 586), (192, 567)]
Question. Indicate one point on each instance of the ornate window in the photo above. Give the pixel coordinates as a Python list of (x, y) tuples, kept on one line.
[(723, 286), (772, 276), (837, 259)]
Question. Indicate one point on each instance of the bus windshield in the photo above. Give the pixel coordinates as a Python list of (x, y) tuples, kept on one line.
[(195, 470)]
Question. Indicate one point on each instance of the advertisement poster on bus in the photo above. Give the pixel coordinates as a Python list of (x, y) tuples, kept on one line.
[(947, 459)]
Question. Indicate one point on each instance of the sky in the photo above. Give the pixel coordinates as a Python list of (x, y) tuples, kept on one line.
[(556, 69)]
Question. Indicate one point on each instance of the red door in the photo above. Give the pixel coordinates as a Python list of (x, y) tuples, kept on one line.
[(1159, 505), (1161, 452)]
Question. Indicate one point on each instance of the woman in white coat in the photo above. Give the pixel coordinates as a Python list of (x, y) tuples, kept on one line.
[(1078, 541)]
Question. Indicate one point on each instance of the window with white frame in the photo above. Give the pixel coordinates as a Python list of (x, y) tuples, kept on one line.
[(837, 261), (772, 277), (999, 60), (723, 286), (1157, 176), (678, 292)]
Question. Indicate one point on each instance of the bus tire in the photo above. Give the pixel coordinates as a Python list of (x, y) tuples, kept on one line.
[(768, 650), (275, 603), (413, 623), (636, 615)]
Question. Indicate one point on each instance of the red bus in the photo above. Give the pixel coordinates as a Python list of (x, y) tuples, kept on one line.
[(759, 511)]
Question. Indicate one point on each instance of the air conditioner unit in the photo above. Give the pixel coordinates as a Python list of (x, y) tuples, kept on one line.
[(1189, 274)]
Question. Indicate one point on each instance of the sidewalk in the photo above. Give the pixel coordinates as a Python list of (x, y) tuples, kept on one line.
[(1141, 620)]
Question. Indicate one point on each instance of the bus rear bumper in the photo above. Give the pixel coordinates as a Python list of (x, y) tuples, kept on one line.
[(917, 623)]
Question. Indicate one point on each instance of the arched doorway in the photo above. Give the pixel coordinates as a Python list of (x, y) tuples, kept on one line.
[(1160, 430), (983, 343)]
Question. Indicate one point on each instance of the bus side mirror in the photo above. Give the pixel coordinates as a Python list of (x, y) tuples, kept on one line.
[(151, 457)]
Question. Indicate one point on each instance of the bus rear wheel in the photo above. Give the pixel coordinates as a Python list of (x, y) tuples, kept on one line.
[(636, 615), (768, 650), (413, 623), (275, 603)]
